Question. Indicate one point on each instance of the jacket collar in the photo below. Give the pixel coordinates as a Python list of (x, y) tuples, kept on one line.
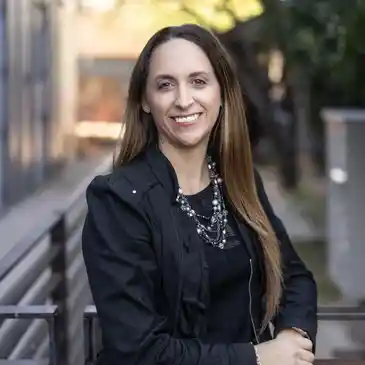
[(163, 171)]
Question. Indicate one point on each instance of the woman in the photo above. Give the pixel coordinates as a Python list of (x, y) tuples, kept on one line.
[(187, 262)]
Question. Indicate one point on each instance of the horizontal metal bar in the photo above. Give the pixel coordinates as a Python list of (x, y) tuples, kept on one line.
[(325, 313), (337, 313), (337, 362), (24, 362), (28, 312)]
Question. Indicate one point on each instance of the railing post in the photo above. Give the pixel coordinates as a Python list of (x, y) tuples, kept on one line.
[(58, 235)]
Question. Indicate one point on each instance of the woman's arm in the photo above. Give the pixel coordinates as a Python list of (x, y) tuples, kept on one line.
[(123, 277), (299, 304)]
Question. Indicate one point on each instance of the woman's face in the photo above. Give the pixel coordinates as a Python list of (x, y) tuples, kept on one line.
[(182, 94)]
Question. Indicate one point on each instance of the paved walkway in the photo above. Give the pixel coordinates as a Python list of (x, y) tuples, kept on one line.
[(332, 336), (300, 228)]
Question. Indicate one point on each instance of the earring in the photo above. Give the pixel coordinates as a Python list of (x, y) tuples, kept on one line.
[(145, 107)]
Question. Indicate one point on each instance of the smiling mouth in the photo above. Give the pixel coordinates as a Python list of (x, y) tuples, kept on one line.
[(187, 119)]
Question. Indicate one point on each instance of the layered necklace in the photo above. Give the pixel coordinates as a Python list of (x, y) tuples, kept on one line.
[(211, 229)]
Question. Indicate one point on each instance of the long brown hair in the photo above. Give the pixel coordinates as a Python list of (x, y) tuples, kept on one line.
[(229, 140)]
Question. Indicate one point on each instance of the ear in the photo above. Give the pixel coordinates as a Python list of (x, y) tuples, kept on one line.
[(145, 106)]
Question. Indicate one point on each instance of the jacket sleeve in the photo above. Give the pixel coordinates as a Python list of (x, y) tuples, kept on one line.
[(124, 281), (299, 303)]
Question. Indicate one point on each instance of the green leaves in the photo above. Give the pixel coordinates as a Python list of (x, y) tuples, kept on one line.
[(325, 39)]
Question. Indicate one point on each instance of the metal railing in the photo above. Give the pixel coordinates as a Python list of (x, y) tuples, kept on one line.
[(43, 281), (49, 313), (43, 276), (325, 313)]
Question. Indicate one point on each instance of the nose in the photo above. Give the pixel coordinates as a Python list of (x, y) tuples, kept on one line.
[(184, 98)]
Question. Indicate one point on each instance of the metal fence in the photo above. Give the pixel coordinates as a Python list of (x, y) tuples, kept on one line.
[(49, 313), (41, 270), (46, 268)]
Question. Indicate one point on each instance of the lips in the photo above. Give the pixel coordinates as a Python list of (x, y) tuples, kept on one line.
[(187, 119)]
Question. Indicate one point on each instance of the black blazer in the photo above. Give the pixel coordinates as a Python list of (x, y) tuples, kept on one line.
[(149, 278)]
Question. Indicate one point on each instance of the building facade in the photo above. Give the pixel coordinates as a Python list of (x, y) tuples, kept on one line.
[(29, 122)]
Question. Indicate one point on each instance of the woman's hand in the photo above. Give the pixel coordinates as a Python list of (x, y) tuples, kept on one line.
[(288, 348)]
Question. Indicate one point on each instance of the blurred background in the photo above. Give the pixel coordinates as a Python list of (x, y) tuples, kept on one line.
[(64, 72)]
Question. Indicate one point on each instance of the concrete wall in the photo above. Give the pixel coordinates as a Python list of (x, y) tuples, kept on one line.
[(2, 93), (346, 200), (38, 99)]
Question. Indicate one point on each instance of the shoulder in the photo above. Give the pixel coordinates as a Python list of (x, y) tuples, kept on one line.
[(129, 182), (116, 202)]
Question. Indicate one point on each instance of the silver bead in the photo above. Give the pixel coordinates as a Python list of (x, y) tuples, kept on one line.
[(215, 202), (225, 220), (224, 241), (199, 231), (180, 191)]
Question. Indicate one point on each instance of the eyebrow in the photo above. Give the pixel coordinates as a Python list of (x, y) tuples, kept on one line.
[(193, 74)]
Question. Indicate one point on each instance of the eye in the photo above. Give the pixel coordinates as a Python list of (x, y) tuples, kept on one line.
[(164, 85), (199, 82)]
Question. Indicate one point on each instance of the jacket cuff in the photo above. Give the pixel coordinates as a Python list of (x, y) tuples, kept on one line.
[(311, 332)]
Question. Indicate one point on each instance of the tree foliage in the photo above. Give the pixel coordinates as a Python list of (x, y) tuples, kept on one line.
[(219, 15), (324, 38)]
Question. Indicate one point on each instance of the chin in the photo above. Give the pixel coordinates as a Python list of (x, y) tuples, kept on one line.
[(193, 142)]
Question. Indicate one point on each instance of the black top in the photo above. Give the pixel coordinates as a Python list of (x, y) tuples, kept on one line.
[(149, 276), (229, 273)]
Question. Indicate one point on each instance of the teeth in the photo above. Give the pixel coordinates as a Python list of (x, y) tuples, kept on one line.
[(187, 119)]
